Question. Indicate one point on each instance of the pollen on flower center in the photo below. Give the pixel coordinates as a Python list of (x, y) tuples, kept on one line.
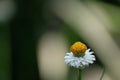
[(78, 48)]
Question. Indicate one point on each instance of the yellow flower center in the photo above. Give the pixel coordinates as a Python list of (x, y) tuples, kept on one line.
[(78, 48)]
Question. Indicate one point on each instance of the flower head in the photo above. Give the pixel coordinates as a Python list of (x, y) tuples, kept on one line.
[(80, 56)]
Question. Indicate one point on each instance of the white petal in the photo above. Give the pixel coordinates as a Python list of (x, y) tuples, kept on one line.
[(80, 62)]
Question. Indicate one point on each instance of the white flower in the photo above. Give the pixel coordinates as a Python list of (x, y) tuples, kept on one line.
[(80, 62)]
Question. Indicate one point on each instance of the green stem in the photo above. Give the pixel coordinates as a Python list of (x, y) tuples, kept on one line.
[(102, 74), (79, 74)]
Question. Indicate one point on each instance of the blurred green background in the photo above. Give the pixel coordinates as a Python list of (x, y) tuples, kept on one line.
[(23, 24)]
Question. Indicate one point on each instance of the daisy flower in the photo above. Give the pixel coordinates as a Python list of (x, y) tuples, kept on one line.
[(80, 56)]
